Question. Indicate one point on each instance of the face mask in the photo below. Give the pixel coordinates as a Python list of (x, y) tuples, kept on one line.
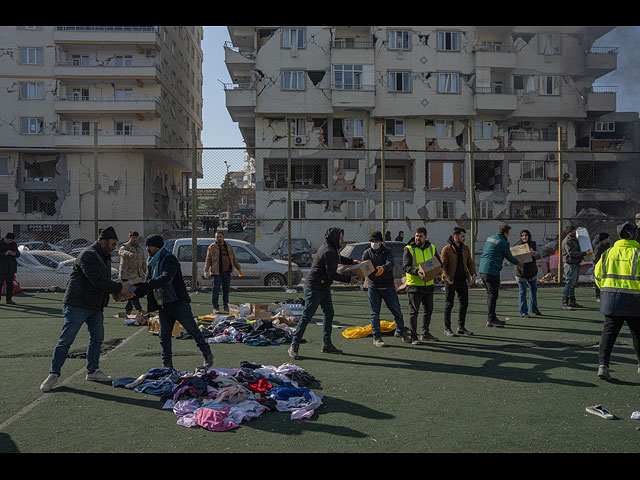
[(376, 245)]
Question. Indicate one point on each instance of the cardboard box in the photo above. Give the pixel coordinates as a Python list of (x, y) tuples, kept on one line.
[(430, 268), (154, 326), (361, 270), (521, 252), (120, 298), (400, 284), (261, 311), (242, 310)]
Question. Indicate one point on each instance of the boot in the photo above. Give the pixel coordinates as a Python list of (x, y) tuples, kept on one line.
[(565, 303), (573, 303)]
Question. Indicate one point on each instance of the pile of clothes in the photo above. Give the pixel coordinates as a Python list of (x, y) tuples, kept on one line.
[(239, 330), (219, 399)]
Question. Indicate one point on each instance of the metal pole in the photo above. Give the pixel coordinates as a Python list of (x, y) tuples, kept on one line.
[(96, 181), (194, 210), (472, 192), (289, 273), (559, 204), (382, 183)]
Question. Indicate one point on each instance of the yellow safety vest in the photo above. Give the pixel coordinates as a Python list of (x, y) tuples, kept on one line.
[(617, 270), (419, 256)]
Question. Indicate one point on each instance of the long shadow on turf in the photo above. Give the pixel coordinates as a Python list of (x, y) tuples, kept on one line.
[(7, 445), (153, 404), (32, 310)]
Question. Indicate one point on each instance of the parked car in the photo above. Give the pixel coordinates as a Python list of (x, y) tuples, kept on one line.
[(235, 225), (42, 246), (46, 269), (258, 268), (355, 251), (69, 244), (301, 252)]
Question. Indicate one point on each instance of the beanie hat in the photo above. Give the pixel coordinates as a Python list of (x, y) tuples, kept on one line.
[(134, 234), (155, 241), (628, 230), (108, 234), (376, 236), (603, 236), (569, 228)]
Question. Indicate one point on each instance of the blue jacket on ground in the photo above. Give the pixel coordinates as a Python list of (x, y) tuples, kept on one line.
[(496, 248)]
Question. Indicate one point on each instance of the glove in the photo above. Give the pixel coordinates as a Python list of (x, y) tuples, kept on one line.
[(379, 271), (207, 274), (240, 273)]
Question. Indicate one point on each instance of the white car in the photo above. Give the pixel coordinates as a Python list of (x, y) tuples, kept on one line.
[(46, 269), (40, 245)]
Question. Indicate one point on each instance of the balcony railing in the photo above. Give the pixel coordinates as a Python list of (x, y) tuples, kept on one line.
[(104, 28), (535, 135), (495, 90), (82, 63), (350, 44), (353, 87), (237, 86), (71, 98), (604, 50), (110, 133), (503, 49), (603, 89)]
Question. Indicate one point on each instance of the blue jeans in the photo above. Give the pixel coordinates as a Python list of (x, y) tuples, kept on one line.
[(312, 300), (571, 278), (533, 300), (74, 318), (179, 313), (390, 298), (223, 280)]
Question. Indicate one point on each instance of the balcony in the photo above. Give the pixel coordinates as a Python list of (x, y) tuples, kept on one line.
[(144, 35), (345, 97), (114, 138), (494, 100), (238, 62), (601, 60), (240, 99), (504, 59), (89, 69), (74, 104), (601, 99)]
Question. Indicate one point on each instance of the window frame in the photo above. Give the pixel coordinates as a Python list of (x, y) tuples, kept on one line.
[(36, 84), (534, 167), (392, 42), (442, 41), (26, 51), (28, 119), (394, 74), (441, 84), (299, 76), (300, 36)]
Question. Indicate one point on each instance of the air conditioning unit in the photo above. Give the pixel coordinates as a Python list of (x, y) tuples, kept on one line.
[(551, 157), (299, 139)]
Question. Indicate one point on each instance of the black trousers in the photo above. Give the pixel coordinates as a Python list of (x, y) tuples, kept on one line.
[(420, 296), (450, 290), (7, 279), (492, 284), (610, 330)]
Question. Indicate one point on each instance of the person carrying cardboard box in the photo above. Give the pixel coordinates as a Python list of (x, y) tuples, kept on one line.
[(419, 287), (526, 275), (572, 256)]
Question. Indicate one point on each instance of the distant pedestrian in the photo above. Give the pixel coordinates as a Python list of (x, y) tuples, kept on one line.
[(133, 264), (214, 225), (387, 236), (496, 249), (400, 237), (572, 257), (85, 298), (219, 263), (527, 277), (8, 265), (602, 245)]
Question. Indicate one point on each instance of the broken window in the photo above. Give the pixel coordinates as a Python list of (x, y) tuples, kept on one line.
[(444, 175), (299, 209), (448, 41), (448, 83), (599, 175), (533, 210), (485, 209), (36, 201), (4, 202), (398, 174), (348, 132), (549, 85), (605, 126), (304, 173), (488, 175), (444, 128), (32, 125), (40, 168), (445, 209), (483, 130), (394, 127)]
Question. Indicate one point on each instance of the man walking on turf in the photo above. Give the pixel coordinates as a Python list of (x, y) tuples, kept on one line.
[(572, 257), (458, 268), (381, 287), (496, 249), (317, 290), (219, 263), (84, 300), (419, 291), (167, 293), (8, 265), (616, 274)]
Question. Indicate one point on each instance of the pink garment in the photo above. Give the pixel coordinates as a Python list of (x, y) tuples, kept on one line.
[(215, 420)]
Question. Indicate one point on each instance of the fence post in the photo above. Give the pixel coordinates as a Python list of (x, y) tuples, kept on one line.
[(289, 273), (96, 181), (382, 182), (194, 210), (559, 204), (472, 192)]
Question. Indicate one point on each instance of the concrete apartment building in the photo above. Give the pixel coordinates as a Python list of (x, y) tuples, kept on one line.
[(512, 86), (141, 86)]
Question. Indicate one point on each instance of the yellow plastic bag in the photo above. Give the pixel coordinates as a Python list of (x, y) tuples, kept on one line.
[(360, 332)]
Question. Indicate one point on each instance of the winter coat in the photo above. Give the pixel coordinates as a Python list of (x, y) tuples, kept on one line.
[(212, 262), (135, 267), (169, 281), (323, 270), (530, 269), (8, 263), (383, 257), (571, 252), (449, 256), (496, 249)]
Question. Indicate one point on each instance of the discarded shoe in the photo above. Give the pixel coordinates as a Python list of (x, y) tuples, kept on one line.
[(600, 411)]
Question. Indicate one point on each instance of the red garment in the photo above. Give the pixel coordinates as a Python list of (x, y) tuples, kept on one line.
[(260, 386)]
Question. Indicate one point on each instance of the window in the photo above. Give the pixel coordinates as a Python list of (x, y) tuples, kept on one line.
[(299, 209), (483, 130), (448, 83), (243, 255), (32, 125), (398, 40), (448, 41), (80, 60), (81, 94), (298, 126), (185, 253), (397, 209), (4, 166), (293, 38), (347, 77), (549, 43), (4, 202), (31, 91), (394, 127), (444, 128), (355, 209), (124, 94), (532, 170), (348, 163), (40, 202), (31, 55), (124, 128), (123, 60), (446, 210), (399, 82), (292, 80), (353, 127), (549, 85), (534, 210), (444, 176), (81, 128), (605, 126), (485, 209)]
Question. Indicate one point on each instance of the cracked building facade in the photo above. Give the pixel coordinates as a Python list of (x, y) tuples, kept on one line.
[(140, 85), (511, 86)]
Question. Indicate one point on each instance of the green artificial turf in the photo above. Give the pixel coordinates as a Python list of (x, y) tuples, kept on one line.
[(523, 388)]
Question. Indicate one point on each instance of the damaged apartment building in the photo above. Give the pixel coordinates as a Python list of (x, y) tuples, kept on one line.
[(138, 87), (506, 89)]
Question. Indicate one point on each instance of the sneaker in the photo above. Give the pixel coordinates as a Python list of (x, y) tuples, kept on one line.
[(565, 303), (603, 372), (208, 361), (216, 311), (526, 315), (600, 411), (11, 302), (378, 342), (403, 335), (414, 340), (463, 331), (426, 337), (330, 348), (98, 376), (495, 323), (573, 303), (293, 351), (449, 333), (225, 308), (49, 382), (538, 312), (598, 299)]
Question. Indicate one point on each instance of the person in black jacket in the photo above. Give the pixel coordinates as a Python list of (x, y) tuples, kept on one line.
[(526, 274), (85, 298), (381, 287), (317, 290), (8, 265), (603, 244), (166, 292)]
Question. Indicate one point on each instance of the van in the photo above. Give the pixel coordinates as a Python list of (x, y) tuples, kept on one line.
[(258, 268)]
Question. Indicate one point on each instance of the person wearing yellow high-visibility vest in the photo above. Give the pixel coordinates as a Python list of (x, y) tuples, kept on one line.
[(419, 291), (617, 274)]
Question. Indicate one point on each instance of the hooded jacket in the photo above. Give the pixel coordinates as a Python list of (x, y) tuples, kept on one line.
[(169, 280), (8, 263), (383, 257), (325, 264)]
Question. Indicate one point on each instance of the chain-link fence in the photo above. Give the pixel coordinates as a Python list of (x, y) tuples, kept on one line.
[(275, 204)]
